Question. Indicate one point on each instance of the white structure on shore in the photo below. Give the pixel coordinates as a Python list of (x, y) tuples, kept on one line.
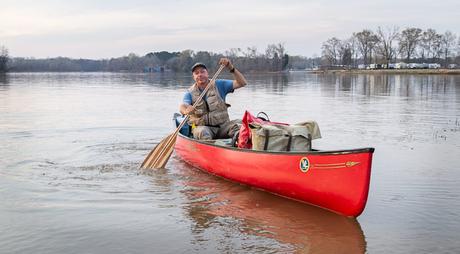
[(400, 65)]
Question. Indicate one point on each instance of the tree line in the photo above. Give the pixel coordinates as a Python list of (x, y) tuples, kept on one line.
[(389, 44), (3, 59), (273, 59)]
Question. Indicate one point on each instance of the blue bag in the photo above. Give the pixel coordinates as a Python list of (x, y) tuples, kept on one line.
[(186, 129)]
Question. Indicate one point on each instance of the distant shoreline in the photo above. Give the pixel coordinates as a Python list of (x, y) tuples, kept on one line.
[(392, 71), (352, 71)]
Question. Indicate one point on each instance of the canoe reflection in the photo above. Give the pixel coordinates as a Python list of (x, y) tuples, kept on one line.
[(309, 229)]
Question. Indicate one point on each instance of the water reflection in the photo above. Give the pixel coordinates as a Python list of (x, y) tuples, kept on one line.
[(420, 86), (296, 227), (4, 79), (413, 86), (279, 82), (99, 79)]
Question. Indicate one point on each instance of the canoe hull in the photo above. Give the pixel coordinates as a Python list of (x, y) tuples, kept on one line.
[(334, 180)]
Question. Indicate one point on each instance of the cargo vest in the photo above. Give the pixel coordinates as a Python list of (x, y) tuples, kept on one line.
[(211, 110)]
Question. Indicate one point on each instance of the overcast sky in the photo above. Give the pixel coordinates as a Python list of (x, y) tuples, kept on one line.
[(103, 29)]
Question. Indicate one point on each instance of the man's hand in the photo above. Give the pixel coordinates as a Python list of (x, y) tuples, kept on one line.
[(239, 81), (226, 62), (188, 110)]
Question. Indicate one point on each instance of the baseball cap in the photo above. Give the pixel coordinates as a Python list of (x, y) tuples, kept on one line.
[(198, 65)]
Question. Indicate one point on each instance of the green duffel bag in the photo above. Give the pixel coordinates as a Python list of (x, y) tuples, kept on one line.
[(274, 137)]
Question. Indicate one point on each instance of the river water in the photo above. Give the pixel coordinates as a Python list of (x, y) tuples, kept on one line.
[(71, 145)]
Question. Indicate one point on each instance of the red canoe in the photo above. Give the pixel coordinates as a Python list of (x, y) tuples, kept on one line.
[(334, 180)]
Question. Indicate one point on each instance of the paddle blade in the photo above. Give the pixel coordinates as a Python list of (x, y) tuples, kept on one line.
[(159, 156)]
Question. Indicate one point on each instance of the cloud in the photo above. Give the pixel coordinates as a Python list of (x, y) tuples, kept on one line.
[(110, 28)]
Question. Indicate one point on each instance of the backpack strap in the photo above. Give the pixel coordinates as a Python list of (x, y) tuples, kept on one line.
[(288, 148), (267, 137)]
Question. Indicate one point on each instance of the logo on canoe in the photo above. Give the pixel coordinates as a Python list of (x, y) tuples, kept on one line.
[(304, 164)]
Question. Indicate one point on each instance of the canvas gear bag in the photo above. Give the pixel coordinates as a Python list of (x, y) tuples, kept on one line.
[(244, 135), (275, 137)]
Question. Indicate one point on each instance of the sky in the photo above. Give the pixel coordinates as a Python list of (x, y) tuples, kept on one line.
[(103, 29)]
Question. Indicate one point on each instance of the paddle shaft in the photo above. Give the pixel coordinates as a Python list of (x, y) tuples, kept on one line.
[(159, 159)]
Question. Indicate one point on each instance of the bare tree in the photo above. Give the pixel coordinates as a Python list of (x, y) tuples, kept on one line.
[(203, 57), (283, 62), (353, 43), (280, 49), (4, 57), (330, 50), (275, 49), (277, 53), (430, 44), (251, 52), (270, 51), (346, 57), (447, 45), (408, 41), (186, 60), (458, 47), (345, 52), (386, 38), (366, 42), (233, 53)]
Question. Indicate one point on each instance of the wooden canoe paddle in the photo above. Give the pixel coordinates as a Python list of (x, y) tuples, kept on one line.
[(159, 156)]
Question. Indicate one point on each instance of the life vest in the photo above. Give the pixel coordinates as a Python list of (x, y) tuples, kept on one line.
[(211, 111)]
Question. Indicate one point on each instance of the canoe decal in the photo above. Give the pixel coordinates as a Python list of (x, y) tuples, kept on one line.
[(304, 164), (347, 164)]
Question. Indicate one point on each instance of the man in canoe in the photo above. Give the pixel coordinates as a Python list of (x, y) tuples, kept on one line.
[(210, 119)]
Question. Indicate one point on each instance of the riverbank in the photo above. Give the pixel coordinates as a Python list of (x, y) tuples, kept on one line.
[(392, 71), (352, 71)]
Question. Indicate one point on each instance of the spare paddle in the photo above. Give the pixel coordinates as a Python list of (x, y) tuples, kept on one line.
[(159, 156)]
